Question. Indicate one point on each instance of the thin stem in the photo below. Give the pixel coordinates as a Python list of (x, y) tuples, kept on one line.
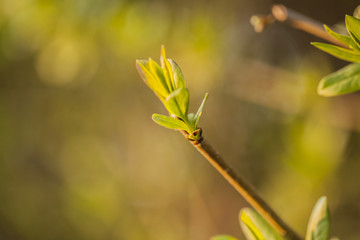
[(244, 188), (294, 19)]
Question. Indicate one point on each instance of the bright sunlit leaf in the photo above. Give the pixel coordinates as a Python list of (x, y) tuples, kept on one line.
[(169, 122), (157, 72), (181, 97), (178, 76), (345, 80), (319, 223), (223, 237), (339, 52), (167, 81), (347, 40), (353, 27), (143, 68), (166, 67), (255, 227)]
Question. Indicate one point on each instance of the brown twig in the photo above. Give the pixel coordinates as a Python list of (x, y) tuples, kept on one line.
[(280, 13), (244, 188)]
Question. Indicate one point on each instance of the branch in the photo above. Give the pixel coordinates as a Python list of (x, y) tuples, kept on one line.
[(244, 188), (282, 14)]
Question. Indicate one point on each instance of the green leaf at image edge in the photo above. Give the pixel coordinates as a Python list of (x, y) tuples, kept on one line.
[(339, 52), (345, 80), (353, 27), (169, 122), (347, 40)]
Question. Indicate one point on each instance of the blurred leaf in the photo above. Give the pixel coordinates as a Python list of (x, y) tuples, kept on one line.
[(255, 227), (353, 27), (177, 74), (223, 237), (199, 112), (345, 80), (319, 223), (169, 122), (191, 117), (347, 40), (339, 52)]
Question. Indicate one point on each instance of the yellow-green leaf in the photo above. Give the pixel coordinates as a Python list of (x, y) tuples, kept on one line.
[(143, 68), (169, 122), (345, 80), (339, 52), (319, 223), (255, 227), (353, 27), (158, 74), (347, 40), (199, 112), (177, 74), (166, 67)]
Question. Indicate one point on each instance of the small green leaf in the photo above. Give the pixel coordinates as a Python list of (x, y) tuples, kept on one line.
[(353, 27), (173, 107), (177, 74), (319, 223), (182, 98), (183, 101), (255, 227), (191, 117), (347, 40), (143, 68), (166, 67), (345, 80), (158, 74), (169, 122), (339, 52), (199, 112), (223, 237)]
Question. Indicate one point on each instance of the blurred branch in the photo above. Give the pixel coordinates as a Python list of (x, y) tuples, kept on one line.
[(244, 188), (280, 13)]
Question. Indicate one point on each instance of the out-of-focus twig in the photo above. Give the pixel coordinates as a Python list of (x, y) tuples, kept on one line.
[(280, 13)]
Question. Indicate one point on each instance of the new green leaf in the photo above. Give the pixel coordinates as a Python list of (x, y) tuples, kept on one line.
[(345, 80), (319, 223), (167, 82), (255, 227), (199, 112), (347, 40), (181, 97), (353, 27), (169, 122), (339, 52)]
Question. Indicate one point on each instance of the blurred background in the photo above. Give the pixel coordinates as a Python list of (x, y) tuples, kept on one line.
[(80, 157)]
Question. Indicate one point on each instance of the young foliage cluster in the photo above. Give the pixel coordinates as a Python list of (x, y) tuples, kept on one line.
[(347, 79), (255, 227), (167, 82)]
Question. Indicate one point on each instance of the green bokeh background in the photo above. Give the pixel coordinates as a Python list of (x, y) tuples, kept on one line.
[(80, 157)]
